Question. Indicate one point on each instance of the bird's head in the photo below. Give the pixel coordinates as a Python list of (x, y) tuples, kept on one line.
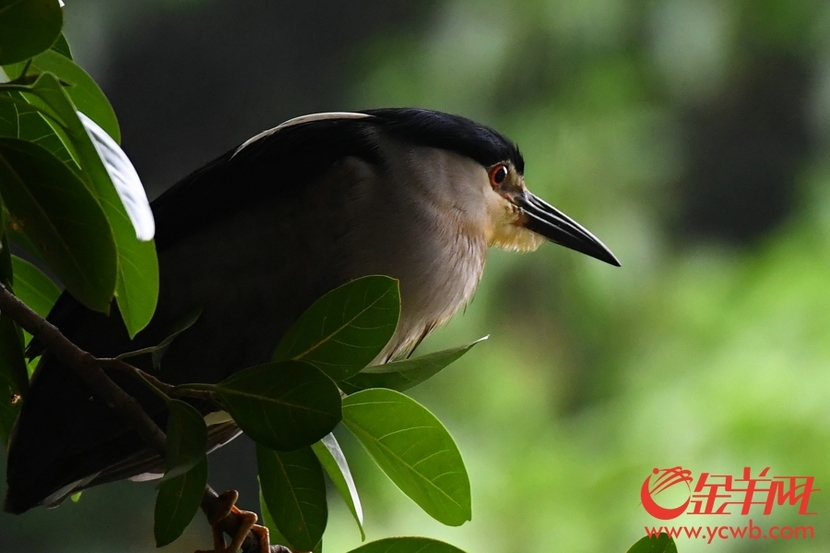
[(515, 218), (521, 221)]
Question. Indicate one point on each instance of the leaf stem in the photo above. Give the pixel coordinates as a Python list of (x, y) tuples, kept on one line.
[(196, 391), (25, 68)]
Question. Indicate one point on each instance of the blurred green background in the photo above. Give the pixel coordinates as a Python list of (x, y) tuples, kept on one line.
[(692, 137)]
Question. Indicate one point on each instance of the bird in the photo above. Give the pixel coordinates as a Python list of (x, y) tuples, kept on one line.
[(254, 237)]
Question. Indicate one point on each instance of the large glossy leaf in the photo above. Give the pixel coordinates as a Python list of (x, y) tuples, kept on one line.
[(27, 27), (333, 460), (404, 374), (282, 405), (275, 536), (128, 211), (414, 449), (61, 218), (186, 438), (85, 93), (113, 180), (407, 545), (177, 502), (657, 544), (19, 119), (137, 283), (33, 287), (125, 179), (345, 329), (295, 493)]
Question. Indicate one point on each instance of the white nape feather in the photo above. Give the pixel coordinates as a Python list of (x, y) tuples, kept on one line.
[(299, 121)]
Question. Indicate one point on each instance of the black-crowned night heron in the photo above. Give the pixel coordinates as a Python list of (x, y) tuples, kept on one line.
[(256, 236)]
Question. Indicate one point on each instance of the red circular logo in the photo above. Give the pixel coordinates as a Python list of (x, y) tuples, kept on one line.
[(665, 479)]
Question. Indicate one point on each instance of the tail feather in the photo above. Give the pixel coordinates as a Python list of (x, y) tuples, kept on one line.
[(64, 438)]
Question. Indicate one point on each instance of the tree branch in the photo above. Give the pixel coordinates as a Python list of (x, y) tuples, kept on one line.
[(90, 369), (86, 366)]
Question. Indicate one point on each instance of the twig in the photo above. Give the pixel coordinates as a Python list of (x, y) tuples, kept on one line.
[(169, 389)]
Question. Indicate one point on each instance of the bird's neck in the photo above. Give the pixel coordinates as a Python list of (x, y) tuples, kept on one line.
[(444, 244)]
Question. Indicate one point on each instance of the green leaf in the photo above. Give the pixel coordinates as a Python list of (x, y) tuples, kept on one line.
[(414, 450), (137, 283), (158, 351), (128, 187), (295, 493), (27, 27), (659, 544), (62, 47), (177, 502), (186, 439), (404, 374), (333, 460), (137, 286), (274, 534), (19, 119), (85, 93), (282, 405), (33, 287), (31, 364), (407, 545), (36, 290), (62, 218), (345, 329)]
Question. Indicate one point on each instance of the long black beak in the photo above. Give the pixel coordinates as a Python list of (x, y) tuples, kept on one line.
[(545, 220)]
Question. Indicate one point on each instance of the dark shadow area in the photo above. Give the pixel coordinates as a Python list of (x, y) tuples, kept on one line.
[(194, 83)]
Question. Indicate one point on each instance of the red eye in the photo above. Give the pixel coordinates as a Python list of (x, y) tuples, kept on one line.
[(498, 174)]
